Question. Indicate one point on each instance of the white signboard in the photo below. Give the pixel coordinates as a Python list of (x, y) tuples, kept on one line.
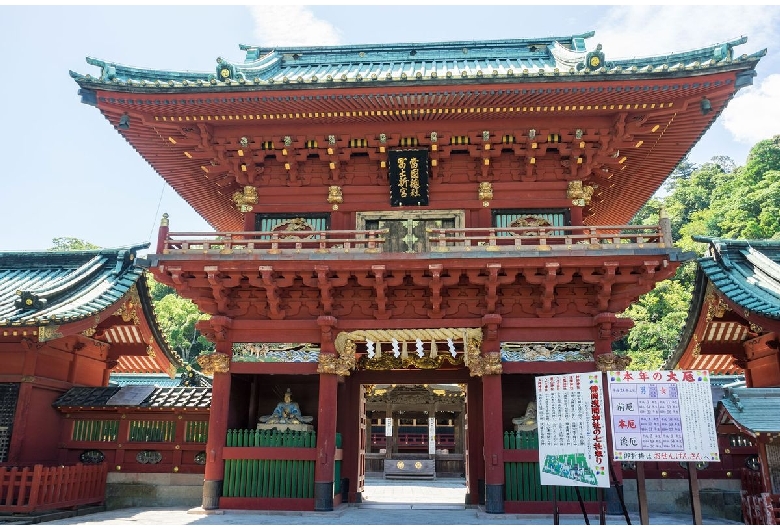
[(572, 430), (662, 416), (431, 435), (388, 427)]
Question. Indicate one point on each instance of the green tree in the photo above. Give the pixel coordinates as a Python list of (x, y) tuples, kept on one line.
[(717, 199), (71, 243), (177, 317)]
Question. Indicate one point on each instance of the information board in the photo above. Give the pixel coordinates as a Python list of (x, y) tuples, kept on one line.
[(572, 430), (663, 416)]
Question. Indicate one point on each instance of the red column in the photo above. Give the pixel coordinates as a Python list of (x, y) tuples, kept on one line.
[(326, 419), (475, 471), (218, 422), (494, 443), (162, 234), (326, 443), (492, 415)]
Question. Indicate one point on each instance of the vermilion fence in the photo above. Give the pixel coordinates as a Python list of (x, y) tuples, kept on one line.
[(25, 490)]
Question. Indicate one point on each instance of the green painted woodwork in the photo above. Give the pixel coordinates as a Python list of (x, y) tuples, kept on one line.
[(196, 431), (152, 431), (95, 430), (271, 478), (522, 479)]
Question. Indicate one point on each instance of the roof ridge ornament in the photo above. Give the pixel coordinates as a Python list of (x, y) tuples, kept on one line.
[(593, 60)]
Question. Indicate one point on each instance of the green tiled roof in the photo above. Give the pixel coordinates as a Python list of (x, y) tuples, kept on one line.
[(40, 288), (755, 409), (747, 272), (409, 63), (97, 397), (161, 380)]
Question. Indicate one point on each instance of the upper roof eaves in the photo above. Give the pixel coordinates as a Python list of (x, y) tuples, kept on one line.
[(45, 287), (410, 63)]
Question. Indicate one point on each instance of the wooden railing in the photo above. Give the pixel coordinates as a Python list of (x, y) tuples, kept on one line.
[(287, 242), (581, 237), (25, 490), (440, 240)]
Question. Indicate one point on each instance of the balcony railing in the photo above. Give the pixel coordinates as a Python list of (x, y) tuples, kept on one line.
[(498, 239), (503, 239), (278, 242)]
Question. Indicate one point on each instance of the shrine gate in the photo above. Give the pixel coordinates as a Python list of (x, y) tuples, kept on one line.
[(440, 213)]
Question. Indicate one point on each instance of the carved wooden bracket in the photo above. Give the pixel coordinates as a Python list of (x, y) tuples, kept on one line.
[(435, 282), (380, 284), (271, 286), (220, 286)]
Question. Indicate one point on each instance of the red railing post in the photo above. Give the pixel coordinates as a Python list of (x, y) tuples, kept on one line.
[(162, 234), (35, 487)]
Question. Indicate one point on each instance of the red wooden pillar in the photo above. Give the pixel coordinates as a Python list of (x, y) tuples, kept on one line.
[(326, 443), (475, 463), (23, 404), (492, 416), (218, 422), (494, 443), (162, 234), (326, 419)]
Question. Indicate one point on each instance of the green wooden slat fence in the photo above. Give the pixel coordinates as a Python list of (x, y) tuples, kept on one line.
[(95, 430), (152, 431), (271, 478), (196, 431), (522, 478)]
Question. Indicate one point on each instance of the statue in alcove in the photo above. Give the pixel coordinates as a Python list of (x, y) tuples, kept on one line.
[(526, 422), (286, 415)]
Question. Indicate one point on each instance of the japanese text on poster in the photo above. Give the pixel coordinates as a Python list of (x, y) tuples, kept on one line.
[(572, 431), (662, 415)]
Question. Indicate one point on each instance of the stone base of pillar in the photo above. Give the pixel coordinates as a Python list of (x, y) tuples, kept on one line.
[(212, 490), (323, 496), (494, 498), (481, 491)]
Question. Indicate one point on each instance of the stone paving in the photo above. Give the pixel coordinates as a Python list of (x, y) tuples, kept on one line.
[(386, 502)]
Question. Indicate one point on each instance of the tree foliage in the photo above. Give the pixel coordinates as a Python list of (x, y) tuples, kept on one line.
[(71, 243), (716, 199), (177, 317)]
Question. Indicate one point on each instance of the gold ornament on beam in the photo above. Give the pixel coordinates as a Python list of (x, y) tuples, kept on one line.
[(485, 193), (579, 194), (245, 200), (211, 363), (335, 196), (489, 364)]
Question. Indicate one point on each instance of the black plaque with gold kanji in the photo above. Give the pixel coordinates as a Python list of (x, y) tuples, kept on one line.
[(408, 177)]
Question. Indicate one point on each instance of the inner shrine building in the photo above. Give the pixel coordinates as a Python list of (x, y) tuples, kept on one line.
[(449, 214)]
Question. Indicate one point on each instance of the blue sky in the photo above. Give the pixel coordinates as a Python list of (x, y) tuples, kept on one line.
[(69, 174)]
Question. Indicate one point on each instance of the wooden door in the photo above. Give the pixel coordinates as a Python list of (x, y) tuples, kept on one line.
[(409, 234)]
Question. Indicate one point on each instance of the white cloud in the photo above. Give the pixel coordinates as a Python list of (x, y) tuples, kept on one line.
[(292, 25), (754, 115), (635, 31)]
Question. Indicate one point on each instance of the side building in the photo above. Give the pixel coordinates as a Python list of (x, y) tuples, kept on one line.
[(68, 321)]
